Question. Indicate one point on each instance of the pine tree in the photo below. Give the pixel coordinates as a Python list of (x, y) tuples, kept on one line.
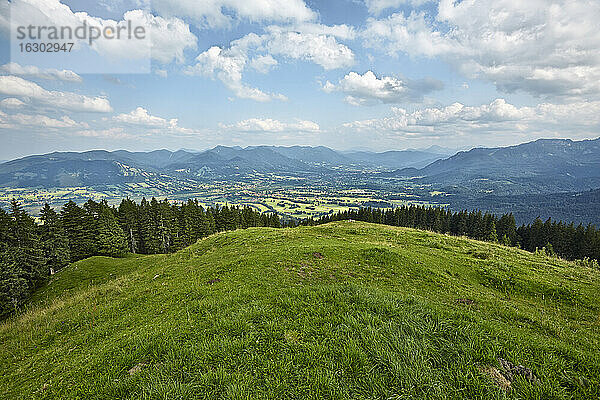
[(111, 240), (80, 229), (14, 287), (25, 246), (54, 242), (128, 216)]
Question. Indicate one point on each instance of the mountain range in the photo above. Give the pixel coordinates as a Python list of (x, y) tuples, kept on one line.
[(542, 166), (104, 167)]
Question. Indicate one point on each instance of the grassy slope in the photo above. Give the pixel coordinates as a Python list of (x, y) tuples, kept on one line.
[(376, 317)]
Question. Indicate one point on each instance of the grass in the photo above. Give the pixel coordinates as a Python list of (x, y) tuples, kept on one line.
[(343, 310)]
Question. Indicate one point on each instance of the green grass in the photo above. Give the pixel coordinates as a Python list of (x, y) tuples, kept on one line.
[(375, 318)]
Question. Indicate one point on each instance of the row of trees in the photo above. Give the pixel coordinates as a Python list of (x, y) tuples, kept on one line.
[(31, 251), (566, 240)]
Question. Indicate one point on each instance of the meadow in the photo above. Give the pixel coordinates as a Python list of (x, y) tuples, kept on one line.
[(346, 310)]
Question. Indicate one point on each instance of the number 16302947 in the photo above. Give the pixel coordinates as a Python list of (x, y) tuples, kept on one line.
[(51, 47)]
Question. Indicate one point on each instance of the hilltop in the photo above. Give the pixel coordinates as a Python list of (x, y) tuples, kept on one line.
[(342, 310)]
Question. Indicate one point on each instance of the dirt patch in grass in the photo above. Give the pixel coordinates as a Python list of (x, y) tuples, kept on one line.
[(137, 368), (507, 373), (497, 377)]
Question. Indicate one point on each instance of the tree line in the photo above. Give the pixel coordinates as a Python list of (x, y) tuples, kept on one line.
[(555, 238), (31, 251)]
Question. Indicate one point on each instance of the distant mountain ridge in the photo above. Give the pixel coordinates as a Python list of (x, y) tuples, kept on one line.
[(544, 165), (104, 167)]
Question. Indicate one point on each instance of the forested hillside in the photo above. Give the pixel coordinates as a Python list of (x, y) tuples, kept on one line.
[(31, 252), (541, 166)]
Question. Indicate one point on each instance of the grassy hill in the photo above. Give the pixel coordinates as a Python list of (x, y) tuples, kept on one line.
[(343, 310)]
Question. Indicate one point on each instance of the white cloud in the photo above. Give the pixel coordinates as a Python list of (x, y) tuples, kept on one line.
[(170, 36), (368, 89), (19, 87), (161, 72), (412, 35), (263, 64), (35, 72), (140, 117), (165, 39), (43, 121), (546, 49), (21, 121), (217, 13), (11, 102), (498, 116), (323, 50), (228, 64), (272, 125)]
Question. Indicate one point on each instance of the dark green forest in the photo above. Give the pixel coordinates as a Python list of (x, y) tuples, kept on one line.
[(30, 252), (554, 238)]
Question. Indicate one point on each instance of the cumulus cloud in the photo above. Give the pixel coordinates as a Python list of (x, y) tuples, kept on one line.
[(322, 50), (257, 51), (140, 117), (170, 37), (36, 121), (271, 125), (263, 64), (494, 117), (40, 73), (165, 40), (543, 49), (220, 13), (19, 87), (368, 89), (227, 66)]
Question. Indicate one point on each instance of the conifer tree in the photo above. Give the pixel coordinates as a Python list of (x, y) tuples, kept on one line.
[(25, 246), (79, 227), (129, 220), (54, 242), (14, 287), (111, 240)]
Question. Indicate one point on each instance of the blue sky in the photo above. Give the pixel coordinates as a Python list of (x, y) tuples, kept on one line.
[(376, 74)]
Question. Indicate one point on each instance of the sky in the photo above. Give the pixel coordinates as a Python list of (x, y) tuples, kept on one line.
[(347, 74)]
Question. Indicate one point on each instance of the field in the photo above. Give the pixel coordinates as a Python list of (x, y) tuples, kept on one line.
[(338, 311), (288, 196)]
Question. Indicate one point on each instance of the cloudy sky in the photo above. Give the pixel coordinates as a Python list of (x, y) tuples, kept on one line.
[(376, 74)]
